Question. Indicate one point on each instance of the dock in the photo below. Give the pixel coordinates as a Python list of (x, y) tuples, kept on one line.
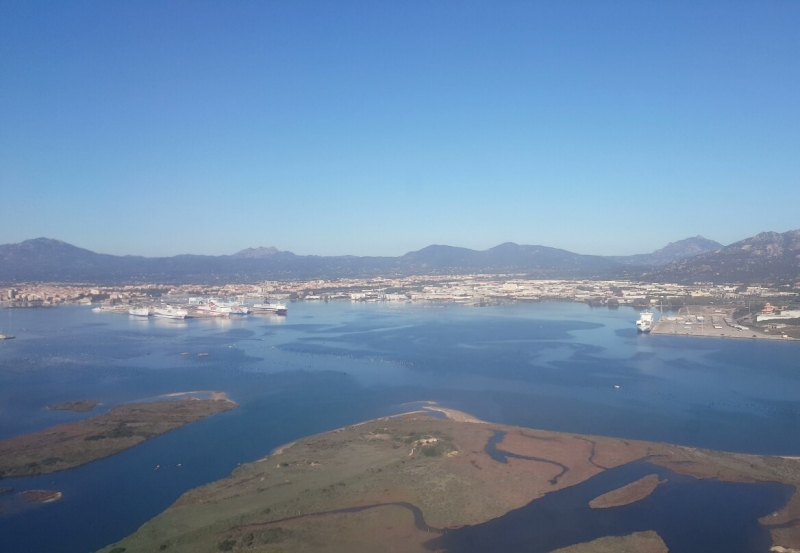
[(711, 322)]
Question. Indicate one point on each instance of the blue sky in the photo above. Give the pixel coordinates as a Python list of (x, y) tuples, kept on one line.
[(376, 128)]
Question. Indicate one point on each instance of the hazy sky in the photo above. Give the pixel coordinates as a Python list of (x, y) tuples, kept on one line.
[(377, 127)]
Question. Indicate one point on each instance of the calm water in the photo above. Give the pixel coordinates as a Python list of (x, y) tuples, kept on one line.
[(690, 515), (552, 366)]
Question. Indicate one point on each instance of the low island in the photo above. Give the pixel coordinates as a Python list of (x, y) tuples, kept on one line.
[(80, 406), (69, 445), (416, 482), (627, 494)]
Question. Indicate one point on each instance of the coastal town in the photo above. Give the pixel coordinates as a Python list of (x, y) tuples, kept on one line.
[(700, 309), (475, 290)]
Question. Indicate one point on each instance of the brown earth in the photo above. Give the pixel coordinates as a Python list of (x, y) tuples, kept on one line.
[(69, 445)]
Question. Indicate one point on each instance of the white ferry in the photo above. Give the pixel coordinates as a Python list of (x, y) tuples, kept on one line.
[(214, 307), (267, 307), (169, 312), (645, 322), (139, 311), (240, 310)]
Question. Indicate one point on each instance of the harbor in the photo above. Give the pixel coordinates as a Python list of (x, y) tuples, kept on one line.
[(197, 308), (718, 322)]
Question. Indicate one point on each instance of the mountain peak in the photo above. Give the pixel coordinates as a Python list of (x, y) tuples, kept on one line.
[(257, 253), (674, 251), (688, 247), (42, 241), (506, 246), (767, 256)]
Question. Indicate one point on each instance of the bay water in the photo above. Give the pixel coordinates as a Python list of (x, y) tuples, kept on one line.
[(555, 366)]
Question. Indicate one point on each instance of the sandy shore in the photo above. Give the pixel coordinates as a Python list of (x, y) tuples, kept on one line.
[(199, 394)]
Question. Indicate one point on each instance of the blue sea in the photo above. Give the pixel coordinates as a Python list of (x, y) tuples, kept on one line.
[(555, 366)]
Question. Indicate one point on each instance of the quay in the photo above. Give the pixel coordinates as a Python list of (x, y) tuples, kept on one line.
[(714, 322)]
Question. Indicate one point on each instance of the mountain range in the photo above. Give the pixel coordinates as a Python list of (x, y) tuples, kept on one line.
[(765, 257), (768, 256)]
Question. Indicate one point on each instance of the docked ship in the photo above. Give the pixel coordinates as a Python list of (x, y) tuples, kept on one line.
[(239, 309), (645, 322), (139, 311), (215, 308), (169, 312), (267, 307)]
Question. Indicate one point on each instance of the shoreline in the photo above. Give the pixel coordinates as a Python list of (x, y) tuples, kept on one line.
[(69, 445), (450, 414)]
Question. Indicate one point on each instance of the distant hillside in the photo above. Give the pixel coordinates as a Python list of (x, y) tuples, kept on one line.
[(766, 257), (44, 259), (258, 253), (507, 257), (674, 251)]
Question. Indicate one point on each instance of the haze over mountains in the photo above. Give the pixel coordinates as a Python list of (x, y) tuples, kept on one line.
[(768, 256)]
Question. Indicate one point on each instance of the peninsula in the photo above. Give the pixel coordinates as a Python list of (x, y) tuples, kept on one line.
[(457, 484), (69, 445)]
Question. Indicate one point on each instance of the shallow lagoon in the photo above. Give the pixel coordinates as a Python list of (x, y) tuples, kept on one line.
[(549, 365)]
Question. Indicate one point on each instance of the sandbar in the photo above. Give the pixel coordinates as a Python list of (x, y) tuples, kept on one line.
[(625, 495)]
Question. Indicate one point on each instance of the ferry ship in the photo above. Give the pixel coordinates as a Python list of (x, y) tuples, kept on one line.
[(214, 307), (240, 310), (645, 322), (277, 308), (139, 311), (169, 312)]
